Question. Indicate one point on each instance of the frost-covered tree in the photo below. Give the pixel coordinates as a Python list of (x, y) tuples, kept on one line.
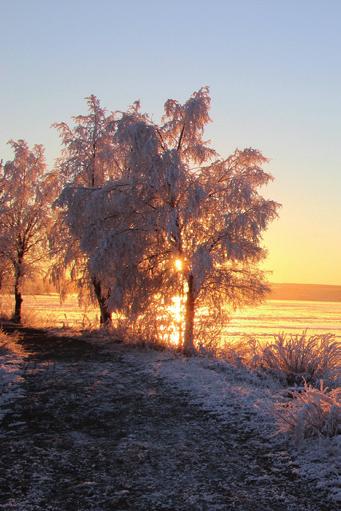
[(26, 192), (5, 270), (180, 223), (87, 161)]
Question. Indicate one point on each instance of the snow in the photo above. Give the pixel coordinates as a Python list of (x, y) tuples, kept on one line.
[(247, 402), (320, 461), (11, 370), (242, 400)]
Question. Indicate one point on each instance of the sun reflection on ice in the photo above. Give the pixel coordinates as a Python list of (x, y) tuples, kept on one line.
[(176, 327)]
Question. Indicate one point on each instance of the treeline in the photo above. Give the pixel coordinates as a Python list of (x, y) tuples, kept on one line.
[(144, 218)]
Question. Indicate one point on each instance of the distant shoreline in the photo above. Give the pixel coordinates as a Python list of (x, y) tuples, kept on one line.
[(309, 292)]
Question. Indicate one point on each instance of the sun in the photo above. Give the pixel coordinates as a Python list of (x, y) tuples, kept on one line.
[(178, 264)]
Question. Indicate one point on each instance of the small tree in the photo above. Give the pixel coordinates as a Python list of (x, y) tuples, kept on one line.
[(87, 161), (180, 222), (26, 191)]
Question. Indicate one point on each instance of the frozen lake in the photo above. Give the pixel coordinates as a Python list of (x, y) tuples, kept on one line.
[(291, 316)]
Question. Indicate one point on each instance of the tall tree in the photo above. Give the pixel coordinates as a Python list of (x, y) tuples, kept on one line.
[(87, 161), (26, 192), (180, 222)]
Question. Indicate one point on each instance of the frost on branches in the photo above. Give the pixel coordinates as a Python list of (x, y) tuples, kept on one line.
[(26, 192), (86, 163), (174, 234)]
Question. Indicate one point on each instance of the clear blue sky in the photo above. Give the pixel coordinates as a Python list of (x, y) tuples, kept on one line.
[(275, 77)]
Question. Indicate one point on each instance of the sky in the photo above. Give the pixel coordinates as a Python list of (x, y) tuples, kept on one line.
[(274, 74)]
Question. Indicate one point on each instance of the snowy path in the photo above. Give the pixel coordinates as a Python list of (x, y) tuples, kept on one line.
[(96, 431)]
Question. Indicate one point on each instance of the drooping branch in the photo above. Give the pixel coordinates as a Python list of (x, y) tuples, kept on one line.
[(180, 138)]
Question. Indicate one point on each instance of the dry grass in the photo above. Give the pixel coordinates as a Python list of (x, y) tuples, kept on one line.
[(46, 311), (10, 344), (5, 308)]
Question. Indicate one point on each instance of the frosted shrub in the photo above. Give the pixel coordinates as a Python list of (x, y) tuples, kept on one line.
[(299, 358), (244, 352), (148, 329), (312, 412)]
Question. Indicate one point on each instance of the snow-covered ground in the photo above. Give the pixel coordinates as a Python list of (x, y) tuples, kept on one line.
[(247, 401), (77, 390), (11, 371)]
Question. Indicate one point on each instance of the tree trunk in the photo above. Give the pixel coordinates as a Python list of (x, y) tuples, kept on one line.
[(105, 315), (188, 346), (17, 298), (17, 287), (17, 306)]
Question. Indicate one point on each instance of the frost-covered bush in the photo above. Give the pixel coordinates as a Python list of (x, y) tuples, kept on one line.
[(148, 329), (296, 358), (244, 352), (311, 412)]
